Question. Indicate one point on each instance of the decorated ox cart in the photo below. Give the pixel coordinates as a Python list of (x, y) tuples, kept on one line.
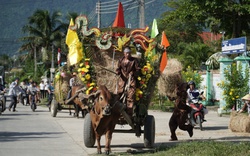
[(61, 100), (101, 51)]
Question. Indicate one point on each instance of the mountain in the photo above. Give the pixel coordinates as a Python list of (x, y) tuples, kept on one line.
[(15, 13)]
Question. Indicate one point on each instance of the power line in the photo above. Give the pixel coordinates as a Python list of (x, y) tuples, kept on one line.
[(106, 6), (125, 9), (115, 8), (109, 2)]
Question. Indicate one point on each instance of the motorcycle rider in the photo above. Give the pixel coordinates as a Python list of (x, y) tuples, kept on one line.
[(193, 93), (51, 93), (32, 90)]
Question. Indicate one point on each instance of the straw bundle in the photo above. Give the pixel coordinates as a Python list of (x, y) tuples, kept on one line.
[(105, 69), (62, 88), (170, 78), (239, 122)]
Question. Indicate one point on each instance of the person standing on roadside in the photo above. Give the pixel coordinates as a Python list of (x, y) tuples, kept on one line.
[(42, 89), (46, 87), (14, 89)]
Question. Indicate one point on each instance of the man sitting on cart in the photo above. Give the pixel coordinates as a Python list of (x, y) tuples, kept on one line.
[(128, 68)]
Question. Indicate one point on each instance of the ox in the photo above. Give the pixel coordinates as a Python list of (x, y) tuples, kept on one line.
[(180, 113), (79, 100), (104, 116)]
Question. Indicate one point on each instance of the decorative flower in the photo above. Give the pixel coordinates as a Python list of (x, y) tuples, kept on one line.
[(57, 76), (86, 74), (87, 77), (63, 74)]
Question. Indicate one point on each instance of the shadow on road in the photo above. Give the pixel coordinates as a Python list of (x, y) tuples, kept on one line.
[(214, 128), (16, 136)]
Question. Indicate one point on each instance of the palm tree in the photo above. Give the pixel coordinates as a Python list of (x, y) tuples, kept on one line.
[(194, 54), (43, 30)]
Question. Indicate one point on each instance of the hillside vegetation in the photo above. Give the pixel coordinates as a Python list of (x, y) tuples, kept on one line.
[(14, 14)]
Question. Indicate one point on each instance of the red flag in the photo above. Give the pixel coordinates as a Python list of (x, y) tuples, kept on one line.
[(164, 40), (165, 44), (119, 19), (59, 56)]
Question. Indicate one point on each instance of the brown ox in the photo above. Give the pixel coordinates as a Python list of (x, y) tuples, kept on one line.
[(79, 100), (104, 116), (180, 113)]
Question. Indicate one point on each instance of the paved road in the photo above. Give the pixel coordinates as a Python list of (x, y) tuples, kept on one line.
[(27, 133)]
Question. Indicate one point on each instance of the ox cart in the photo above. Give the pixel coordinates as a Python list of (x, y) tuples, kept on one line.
[(62, 101), (102, 50)]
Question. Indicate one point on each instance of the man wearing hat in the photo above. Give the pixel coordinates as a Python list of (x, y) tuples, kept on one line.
[(246, 105), (128, 68)]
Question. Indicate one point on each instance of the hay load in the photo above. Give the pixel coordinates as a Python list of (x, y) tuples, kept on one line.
[(61, 86), (170, 78), (239, 122)]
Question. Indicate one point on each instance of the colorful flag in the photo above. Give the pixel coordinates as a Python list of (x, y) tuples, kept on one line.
[(75, 46), (59, 56), (119, 19), (165, 44), (154, 31)]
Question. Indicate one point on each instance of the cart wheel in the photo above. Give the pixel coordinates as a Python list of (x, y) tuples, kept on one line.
[(88, 132), (53, 109), (1, 107), (149, 131), (84, 113)]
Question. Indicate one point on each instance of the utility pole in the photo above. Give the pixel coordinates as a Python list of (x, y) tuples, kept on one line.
[(98, 12), (52, 69), (141, 13), (35, 63)]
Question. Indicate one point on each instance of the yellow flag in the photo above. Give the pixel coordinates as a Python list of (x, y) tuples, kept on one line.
[(75, 46)]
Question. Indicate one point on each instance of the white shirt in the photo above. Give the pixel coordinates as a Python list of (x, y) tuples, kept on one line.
[(14, 89), (42, 86), (32, 89), (71, 81), (46, 86), (192, 94)]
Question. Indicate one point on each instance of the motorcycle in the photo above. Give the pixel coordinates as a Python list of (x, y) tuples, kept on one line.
[(198, 111), (2, 102), (33, 102)]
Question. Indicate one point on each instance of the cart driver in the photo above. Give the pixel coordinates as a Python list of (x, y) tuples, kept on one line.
[(128, 68)]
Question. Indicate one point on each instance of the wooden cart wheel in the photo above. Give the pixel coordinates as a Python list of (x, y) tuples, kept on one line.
[(149, 131), (88, 132), (1, 107), (53, 109)]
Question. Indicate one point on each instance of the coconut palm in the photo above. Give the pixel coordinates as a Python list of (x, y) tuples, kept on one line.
[(43, 31)]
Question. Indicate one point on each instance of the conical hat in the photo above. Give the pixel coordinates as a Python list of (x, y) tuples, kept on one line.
[(246, 97)]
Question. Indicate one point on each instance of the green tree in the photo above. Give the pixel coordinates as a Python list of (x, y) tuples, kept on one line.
[(193, 75), (193, 54), (235, 85), (224, 15), (43, 31), (6, 61)]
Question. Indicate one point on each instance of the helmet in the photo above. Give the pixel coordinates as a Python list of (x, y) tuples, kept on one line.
[(191, 83)]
